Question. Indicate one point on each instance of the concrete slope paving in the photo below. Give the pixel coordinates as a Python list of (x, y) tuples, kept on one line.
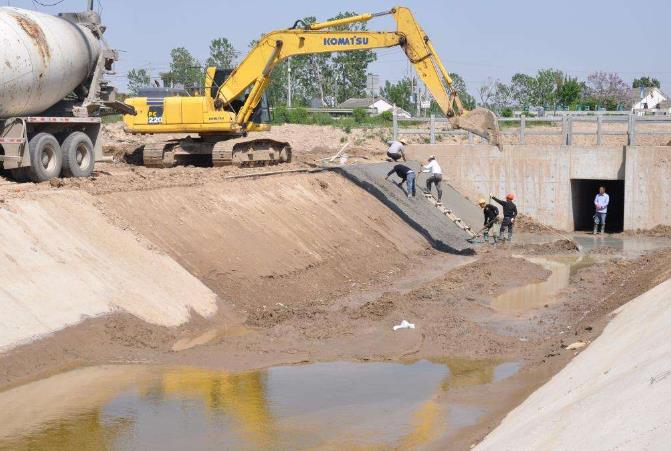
[(442, 233), (63, 261), (614, 396)]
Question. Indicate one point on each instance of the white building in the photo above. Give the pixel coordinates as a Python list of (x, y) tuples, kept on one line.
[(649, 99), (378, 104)]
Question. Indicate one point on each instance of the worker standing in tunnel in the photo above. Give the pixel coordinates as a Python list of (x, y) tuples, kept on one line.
[(406, 175), (509, 215), (436, 176), (601, 202)]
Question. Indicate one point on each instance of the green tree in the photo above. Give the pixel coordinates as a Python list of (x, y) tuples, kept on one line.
[(137, 78), (222, 54), (523, 90), (645, 82), (545, 88), (569, 92), (502, 98), (311, 76), (459, 85), (184, 69), (398, 93)]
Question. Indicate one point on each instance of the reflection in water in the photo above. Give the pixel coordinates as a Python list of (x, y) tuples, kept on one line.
[(326, 406), (538, 294)]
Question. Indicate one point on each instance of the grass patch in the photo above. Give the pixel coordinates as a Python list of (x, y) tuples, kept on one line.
[(112, 118)]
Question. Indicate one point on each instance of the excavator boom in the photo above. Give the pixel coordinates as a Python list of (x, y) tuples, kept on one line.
[(314, 38), (230, 105)]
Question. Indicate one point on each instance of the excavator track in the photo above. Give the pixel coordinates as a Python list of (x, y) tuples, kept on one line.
[(239, 152), (159, 155), (250, 152)]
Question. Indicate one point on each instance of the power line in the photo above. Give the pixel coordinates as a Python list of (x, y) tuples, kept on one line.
[(36, 2)]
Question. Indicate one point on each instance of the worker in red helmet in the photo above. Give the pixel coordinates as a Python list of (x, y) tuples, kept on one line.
[(509, 215)]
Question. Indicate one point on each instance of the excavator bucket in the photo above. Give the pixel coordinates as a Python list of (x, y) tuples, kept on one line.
[(481, 122)]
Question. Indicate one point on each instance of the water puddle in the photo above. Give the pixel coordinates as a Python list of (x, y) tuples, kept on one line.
[(326, 405), (630, 246), (538, 294)]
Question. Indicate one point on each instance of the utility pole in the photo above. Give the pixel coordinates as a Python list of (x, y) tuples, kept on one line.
[(418, 104), (412, 88), (289, 82)]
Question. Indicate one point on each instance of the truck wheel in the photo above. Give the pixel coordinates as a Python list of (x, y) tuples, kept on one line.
[(78, 157), (46, 157)]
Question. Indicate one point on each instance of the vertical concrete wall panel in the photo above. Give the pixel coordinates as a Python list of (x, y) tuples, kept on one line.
[(540, 175), (604, 163), (647, 187)]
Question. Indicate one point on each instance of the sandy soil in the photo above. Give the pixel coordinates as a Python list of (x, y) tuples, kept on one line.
[(449, 303), (303, 138), (319, 270), (657, 231)]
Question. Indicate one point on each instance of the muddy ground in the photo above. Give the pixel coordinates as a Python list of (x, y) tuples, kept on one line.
[(358, 271), (447, 297)]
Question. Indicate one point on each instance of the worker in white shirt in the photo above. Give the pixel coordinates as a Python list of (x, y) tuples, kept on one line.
[(436, 176), (601, 202), (396, 150)]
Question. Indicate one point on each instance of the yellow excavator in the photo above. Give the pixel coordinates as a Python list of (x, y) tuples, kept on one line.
[(234, 104)]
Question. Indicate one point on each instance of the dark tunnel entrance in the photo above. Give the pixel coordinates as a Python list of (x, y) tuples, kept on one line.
[(583, 192)]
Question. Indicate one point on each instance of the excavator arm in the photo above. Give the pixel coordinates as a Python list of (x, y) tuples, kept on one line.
[(253, 73)]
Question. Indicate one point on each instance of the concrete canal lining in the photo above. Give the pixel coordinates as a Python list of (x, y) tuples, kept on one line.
[(549, 180)]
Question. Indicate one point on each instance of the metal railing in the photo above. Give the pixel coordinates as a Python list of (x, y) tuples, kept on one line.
[(566, 132)]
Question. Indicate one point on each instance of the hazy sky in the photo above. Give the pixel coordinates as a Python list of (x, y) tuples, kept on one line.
[(476, 38)]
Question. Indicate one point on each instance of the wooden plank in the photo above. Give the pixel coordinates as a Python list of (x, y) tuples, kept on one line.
[(450, 214)]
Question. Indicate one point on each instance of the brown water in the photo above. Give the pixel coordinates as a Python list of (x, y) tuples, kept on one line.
[(539, 294), (337, 405)]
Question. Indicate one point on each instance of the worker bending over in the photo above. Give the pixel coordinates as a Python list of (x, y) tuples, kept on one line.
[(436, 176), (396, 150), (406, 175), (509, 215), (491, 216)]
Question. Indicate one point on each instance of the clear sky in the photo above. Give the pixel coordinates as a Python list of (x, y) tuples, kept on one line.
[(475, 38)]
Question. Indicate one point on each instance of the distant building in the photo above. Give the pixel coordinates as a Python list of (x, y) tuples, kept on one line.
[(317, 102), (378, 104), (643, 99)]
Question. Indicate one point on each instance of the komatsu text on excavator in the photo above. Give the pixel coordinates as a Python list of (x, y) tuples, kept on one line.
[(233, 103)]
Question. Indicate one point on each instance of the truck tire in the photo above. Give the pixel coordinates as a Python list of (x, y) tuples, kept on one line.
[(78, 159), (46, 157)]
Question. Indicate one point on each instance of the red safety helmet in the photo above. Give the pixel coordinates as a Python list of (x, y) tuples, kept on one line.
[(510, 196)]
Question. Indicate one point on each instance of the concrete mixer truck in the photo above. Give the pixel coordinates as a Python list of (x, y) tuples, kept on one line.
[(53, 92)]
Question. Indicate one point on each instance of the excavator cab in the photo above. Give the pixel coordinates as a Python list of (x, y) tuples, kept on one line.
[(217, 77)]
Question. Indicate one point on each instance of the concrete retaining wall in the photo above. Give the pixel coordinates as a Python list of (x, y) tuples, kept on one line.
[(613, 396), (541, 176), (647, 189), (63, 261)]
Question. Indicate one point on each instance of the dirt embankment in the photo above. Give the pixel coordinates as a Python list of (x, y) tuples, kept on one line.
[(289, 239), (660, 230), (319, 270), (305, 140)]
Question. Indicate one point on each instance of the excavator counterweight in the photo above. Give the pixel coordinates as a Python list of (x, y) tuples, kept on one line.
[(233, 104)]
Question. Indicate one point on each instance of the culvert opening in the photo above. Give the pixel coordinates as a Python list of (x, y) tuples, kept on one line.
[(583, 192)]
